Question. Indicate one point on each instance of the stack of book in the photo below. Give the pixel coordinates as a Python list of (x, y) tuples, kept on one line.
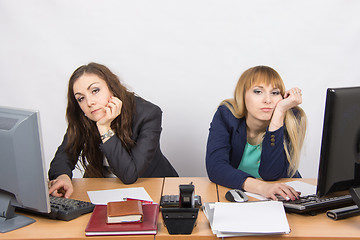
[(123, 218), (246, 219)]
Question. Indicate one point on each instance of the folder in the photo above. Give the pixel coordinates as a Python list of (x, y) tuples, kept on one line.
[(97, 223)]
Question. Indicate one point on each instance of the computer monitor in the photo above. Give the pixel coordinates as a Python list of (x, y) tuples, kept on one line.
[(23, 181), (339, 167)]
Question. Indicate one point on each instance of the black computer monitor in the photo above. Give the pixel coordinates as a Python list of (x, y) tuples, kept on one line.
[(23, 181), (339, 167)]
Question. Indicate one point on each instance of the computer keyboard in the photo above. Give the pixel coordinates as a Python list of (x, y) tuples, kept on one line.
[(64, 209), (67, 209), (311, 203)]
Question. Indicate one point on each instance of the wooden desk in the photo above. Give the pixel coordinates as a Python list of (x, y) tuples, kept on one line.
[(302, 226), (311, 227), (45, 228), (208, 192)]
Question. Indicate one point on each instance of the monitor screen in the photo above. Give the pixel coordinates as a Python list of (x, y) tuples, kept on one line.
[(23, 181), (339, 167)]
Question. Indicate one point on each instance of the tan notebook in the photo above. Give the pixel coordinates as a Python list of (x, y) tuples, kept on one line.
[(124, 211)]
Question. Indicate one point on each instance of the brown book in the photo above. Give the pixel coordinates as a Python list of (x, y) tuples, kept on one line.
[(124, 211)]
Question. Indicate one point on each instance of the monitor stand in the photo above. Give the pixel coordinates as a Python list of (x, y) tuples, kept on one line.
[(8, 219), (355, 193)]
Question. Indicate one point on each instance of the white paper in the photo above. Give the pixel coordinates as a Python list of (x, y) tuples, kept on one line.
[(304, 188), (208, 209), (105, 196), (250, 218), (257, 196)]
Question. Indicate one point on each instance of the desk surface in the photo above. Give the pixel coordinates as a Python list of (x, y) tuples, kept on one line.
[(302, 226), (310, 227), (208, 192), (45, 228)]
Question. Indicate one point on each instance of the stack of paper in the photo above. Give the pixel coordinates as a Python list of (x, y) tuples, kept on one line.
[(246, 219)]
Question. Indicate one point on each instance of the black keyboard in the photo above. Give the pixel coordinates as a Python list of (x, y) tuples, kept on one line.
[(312, 204), (67, 209), (64, 208)]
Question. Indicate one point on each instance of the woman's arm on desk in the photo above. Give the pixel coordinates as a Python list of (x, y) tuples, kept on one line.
[(61, 186), (270, 190)]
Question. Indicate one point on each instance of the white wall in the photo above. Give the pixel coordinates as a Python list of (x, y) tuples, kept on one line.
[(185, 56)]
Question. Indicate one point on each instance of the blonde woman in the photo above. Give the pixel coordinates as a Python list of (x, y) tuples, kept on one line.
[(257, 136)]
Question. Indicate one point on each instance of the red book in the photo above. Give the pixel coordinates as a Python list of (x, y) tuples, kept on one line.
[(97, 224)]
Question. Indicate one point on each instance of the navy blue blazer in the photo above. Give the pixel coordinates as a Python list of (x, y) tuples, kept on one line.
[(225, 147)]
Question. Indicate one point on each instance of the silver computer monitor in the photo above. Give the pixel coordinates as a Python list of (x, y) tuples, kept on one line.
[(339, 167), (23, 181)]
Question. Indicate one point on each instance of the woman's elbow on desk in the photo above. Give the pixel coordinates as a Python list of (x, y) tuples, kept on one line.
[(271, 175), (129, 180)]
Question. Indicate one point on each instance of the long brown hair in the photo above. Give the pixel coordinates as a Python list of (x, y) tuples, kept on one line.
[(295, 125), (83, 135)]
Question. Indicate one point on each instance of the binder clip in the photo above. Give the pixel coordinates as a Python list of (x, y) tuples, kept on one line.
[(182, 219)]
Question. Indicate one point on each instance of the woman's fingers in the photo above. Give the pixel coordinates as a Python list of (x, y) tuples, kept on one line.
[(284, 191), (61, 187), (115, 105)]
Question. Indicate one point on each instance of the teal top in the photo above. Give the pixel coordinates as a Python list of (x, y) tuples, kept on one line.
[(250, 160)]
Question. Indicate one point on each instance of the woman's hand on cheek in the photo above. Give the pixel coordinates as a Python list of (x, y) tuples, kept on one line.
[(112, 110), (292, 98)]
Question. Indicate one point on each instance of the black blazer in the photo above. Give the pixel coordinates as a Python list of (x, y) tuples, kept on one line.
[(145, 158)]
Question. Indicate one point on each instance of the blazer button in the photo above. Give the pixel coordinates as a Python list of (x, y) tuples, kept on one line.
[(272, 144), (272, 140)]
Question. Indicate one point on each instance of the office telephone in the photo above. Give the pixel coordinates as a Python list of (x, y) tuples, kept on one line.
[(172, 201), (180, 212)]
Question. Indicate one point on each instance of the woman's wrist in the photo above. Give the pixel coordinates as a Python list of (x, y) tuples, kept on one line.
[(103, 128), (277, 120), (257, 186), (64, 177), (105, 132), (107, 135), (251, 185), (273, 127)]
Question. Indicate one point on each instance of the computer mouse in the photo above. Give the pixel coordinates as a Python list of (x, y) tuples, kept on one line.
[(236, 195)]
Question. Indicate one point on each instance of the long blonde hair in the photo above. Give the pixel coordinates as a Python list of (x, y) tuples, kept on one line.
[(295, 119)]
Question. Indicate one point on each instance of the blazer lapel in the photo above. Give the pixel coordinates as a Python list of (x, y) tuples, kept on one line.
[(238, 144)]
